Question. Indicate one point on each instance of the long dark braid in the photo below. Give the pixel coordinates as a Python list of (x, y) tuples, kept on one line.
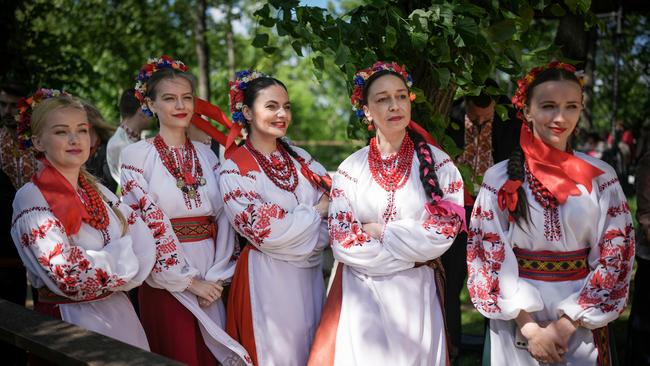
[(516, 167), (516, 172), (428, 174)]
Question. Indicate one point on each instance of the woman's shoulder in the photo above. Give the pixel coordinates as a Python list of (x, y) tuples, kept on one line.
[(135, 153), (353, 164), (495, 176), (606, 168), (29, 198)]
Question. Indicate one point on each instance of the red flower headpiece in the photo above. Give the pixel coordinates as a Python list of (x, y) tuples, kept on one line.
[(153, 65), (237, 87), (24, 116), (362, 76), (519, 99)]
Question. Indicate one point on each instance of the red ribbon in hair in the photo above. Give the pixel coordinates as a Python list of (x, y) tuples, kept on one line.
[(61, 197), (559, 171)]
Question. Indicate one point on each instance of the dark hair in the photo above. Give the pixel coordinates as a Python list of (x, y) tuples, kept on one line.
[(422, 149), (254, 88), (129, 104), (15, 88), (166, 74), (516, 170)]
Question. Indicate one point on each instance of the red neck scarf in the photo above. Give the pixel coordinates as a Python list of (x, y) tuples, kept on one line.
[(61, 197), (559, 171)]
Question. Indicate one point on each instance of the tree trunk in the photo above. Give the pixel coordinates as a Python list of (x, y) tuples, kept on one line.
[(230, 41), (202, 54)]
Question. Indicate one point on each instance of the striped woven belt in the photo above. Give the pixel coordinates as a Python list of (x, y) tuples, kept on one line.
[(190, 229), (552, 266), (46, 296)]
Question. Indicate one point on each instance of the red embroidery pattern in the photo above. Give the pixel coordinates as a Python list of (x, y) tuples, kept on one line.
[(347, 175), (31, 209), (453, 187), (447, 226), (608, 284), (442, 163), (132, 168), (614, 211), (67, 265), (238, 193), (482, 214), (346, 231), (235, 171), (152, 215), (254, 222), (609, 183), (485, 255), (489, 188)]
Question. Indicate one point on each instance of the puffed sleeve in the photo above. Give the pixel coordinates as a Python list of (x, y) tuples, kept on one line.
[(290, 235), (604, 294), (170, 271), (429, 236), (493, 280), (66, 268)]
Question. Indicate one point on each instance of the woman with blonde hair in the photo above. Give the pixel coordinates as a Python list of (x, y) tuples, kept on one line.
[(81, 247)]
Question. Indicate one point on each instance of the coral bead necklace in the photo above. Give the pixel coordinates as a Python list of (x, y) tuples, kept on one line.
[(185, 180), (391, 173), (280, 170)]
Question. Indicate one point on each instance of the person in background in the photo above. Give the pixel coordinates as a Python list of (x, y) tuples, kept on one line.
[(132, 122), (485, 140), (100, 133)]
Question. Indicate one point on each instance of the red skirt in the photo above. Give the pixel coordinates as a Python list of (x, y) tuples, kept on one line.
[(171, 329)]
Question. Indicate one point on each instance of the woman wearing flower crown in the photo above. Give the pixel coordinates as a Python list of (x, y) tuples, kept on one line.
[(81, 247), (396, 208), (275, 197), (551, 241), (171, 182)]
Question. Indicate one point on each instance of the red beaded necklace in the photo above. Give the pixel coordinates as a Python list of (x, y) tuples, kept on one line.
[(185, 181), (541, 193), (391, 173), (94, 204), (281, 171)]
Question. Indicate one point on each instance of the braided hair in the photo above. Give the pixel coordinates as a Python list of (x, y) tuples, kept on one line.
[(516, 163), (428, 175)]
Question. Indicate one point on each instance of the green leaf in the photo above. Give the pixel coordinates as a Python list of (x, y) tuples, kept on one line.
[(260, 40), (267, 22), (419, 40), (319, 62), (270, 50), (263, 12), (342, 54), (443, 75), (297, 47), (391, 37), (502, 31), (467, 28), (557, 10), (502, 111)]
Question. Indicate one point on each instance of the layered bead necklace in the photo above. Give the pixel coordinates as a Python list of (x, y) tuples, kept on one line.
[(393, 172), (187, 182), (94, 204), (542, 195), (280, 170)]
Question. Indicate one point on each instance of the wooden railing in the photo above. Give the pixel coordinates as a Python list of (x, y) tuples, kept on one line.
[(67, 344)]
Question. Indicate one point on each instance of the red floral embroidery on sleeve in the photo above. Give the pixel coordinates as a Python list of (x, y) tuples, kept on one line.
[(485, 255), (608, 284), (453, 187), (345, 231), (67, 266), (255, 221), (479, 213), (448, 226)]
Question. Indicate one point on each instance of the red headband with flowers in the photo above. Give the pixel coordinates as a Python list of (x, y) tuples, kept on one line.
[(362, 76), (519, 99), (24, 116), (153, 65)]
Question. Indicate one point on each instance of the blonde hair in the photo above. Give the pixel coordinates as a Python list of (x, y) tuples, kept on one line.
[(39, 118)]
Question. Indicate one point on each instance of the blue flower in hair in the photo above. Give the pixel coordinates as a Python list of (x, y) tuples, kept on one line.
[(242, 74), (360, 113), (358, 80), (238, 117)]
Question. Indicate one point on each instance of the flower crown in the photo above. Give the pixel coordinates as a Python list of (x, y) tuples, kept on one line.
[(237, 87), (519, 99), (362, 76), (24, 117), (153, 65)]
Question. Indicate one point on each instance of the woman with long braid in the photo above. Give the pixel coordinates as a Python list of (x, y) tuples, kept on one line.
[(275, 196), (551, 242), (396, 207)]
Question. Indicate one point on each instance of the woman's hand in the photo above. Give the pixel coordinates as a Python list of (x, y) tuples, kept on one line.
[(373, 229), (207, 291), (562, 330), (323, 205), (542, 344)]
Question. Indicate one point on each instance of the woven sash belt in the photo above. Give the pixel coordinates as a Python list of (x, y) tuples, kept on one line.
[(552, 266), (191, 229)]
